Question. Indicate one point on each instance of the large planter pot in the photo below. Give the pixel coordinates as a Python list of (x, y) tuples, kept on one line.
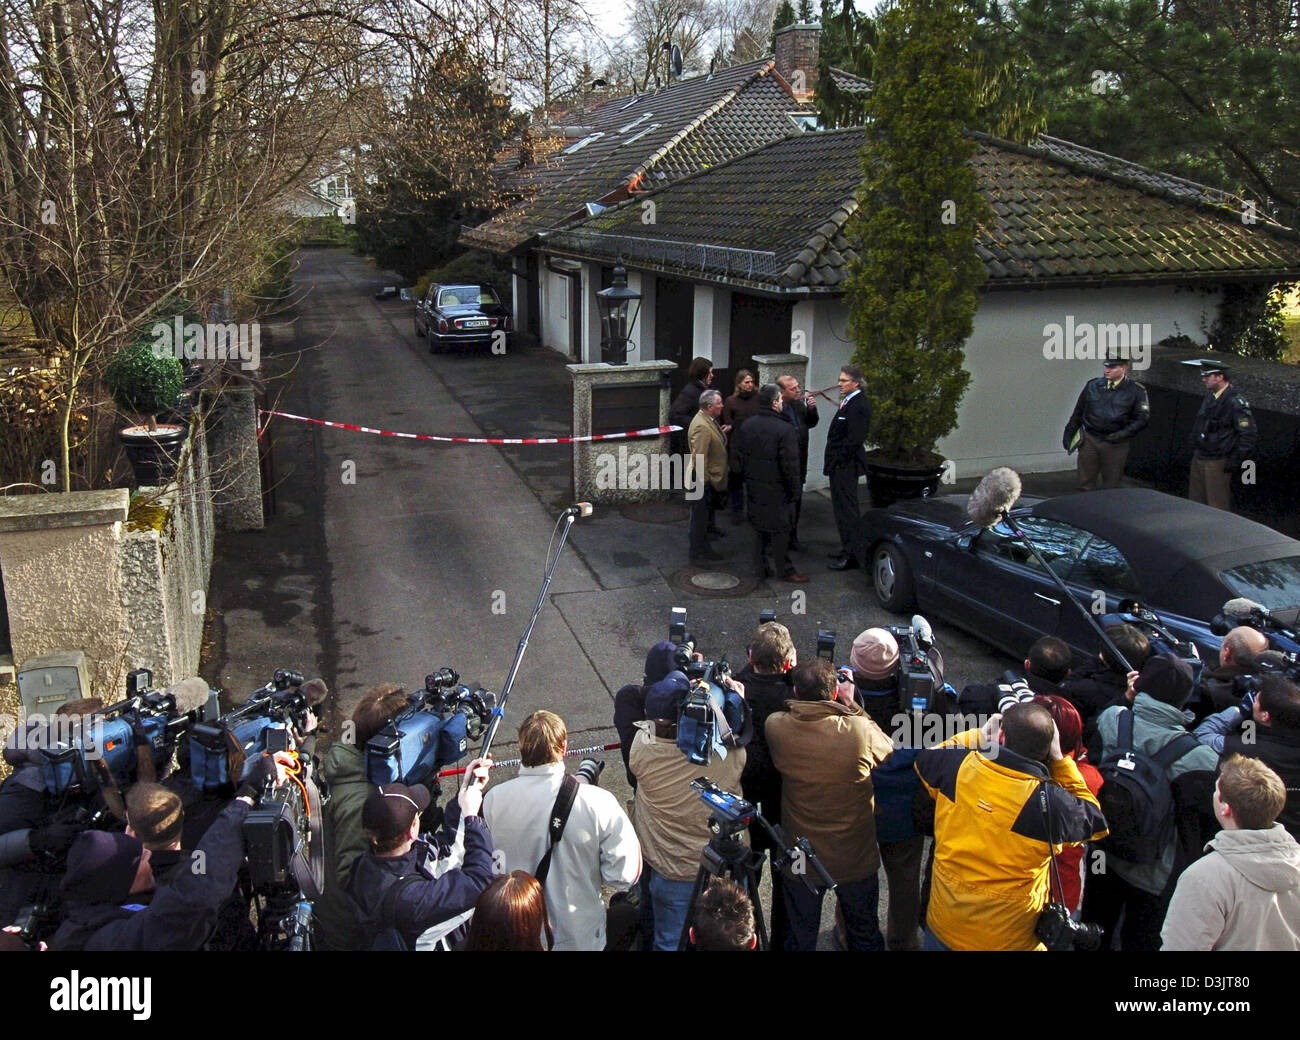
[(890, 483), (154, 454)]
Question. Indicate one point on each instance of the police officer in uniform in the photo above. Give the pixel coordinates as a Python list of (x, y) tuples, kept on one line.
[(1110, 412), (1223, 436)]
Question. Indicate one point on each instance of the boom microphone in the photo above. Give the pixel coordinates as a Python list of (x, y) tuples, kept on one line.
[(990, 502), (190, 694), (993, 498), (1236, 609)]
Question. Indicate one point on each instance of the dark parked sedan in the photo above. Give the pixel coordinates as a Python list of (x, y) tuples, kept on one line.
[(1179, 558), (463, 316)]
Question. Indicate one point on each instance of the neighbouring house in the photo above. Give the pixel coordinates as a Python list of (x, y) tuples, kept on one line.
[(622, 148), (326, 195), (749, 257)]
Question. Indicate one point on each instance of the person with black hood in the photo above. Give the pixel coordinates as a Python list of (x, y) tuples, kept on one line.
[(109, 878), (629, 702), (1103, 682)]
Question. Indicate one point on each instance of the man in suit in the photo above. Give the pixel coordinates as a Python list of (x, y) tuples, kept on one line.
[(706, 474), (845, 462), (768, 450), (800, 411)]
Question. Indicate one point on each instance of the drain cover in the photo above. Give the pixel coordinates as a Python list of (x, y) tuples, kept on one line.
[(716, 581)]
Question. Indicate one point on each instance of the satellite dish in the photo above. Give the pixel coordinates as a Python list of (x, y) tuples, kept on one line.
[(675, 61)]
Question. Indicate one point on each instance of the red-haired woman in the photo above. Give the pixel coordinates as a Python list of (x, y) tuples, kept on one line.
[(511, 915), (1069, 860)]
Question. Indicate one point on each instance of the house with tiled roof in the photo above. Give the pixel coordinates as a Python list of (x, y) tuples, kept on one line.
[(622, 149), (1085, 252)]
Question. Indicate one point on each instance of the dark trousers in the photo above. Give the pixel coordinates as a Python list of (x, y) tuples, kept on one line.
[(859, 901), (701, 521), (1098, 457), (1107, 895), (844, 501), (902, 861), (772, 553), (736, 493)]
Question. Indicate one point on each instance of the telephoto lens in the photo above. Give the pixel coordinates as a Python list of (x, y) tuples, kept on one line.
[(589, 771)]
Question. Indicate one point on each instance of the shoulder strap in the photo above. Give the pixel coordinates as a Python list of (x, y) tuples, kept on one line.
[(559, 817), (1124, 738), (1175, 749)]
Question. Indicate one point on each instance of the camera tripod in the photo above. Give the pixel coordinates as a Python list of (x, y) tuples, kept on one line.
[(727, 856)]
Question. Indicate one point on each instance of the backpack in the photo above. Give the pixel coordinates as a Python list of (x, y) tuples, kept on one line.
[(1136, 797)]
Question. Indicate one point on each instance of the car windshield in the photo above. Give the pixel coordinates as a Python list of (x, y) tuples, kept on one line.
[(467, 296), (1274, 584)]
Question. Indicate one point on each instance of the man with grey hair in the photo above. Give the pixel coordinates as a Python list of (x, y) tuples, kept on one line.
[(845, 462), (800, 411), (1237, 655), (706, 474)]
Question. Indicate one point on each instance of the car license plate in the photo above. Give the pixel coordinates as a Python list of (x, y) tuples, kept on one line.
[(478, 323)]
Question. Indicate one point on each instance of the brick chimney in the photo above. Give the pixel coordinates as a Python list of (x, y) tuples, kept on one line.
[(797, 47)]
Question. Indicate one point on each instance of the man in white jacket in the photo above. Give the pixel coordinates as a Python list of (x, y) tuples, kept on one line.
[(1245, 895), (598, 844)]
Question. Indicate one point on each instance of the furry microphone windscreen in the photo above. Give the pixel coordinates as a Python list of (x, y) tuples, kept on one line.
[(1241, 608), (190, 694), (996, 494), (315, 691)]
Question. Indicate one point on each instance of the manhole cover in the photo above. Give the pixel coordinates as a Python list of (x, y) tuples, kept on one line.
[(715, 581)]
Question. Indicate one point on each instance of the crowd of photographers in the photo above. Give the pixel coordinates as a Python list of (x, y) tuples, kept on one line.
[(1099, 807)]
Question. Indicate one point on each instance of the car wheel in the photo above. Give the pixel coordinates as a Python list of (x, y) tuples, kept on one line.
[(892, 578)]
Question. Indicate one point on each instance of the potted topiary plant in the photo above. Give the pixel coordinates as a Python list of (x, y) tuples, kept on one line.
[(145, 381), (911, 291)]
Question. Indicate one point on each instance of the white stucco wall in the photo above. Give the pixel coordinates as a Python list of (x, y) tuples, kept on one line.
[(555, 310), (712, 324), (1018, 400)]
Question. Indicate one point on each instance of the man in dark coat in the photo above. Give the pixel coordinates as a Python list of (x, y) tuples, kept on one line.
[(846, 461), (799, 411), (768, 449)]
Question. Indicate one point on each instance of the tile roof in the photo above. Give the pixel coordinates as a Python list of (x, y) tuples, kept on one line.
[(774, 218), (675, 131)]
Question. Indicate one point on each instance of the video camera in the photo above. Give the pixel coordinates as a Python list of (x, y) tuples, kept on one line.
[(711, 713), (1279, 628), (261, 725), (101, 748), (917, 682), (433, 731), (1162, 641), (729, 814)]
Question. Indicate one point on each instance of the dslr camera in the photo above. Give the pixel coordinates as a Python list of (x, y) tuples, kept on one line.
[(1056, 930)]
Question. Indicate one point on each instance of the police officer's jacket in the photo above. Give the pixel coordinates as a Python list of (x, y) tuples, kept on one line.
[(1103, 411), (1224, 427)]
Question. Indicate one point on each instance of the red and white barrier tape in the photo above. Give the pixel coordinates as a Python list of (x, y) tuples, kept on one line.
[(514, 761), (651, 431)]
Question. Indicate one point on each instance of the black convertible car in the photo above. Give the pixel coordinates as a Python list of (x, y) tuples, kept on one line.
[(1179, 558)]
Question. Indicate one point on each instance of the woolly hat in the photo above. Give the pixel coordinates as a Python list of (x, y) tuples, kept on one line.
[(101, 867), (875, 653)]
